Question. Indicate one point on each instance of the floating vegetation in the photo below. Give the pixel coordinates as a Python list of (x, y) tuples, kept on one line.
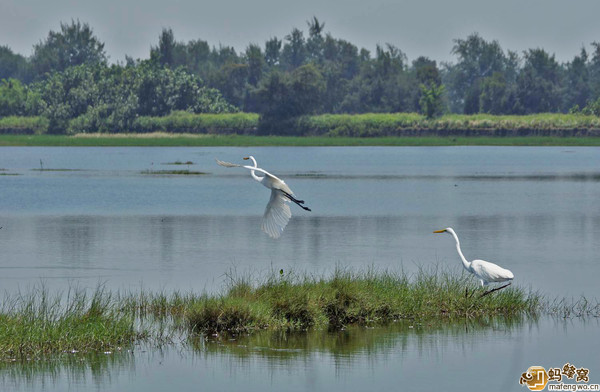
[(56, 170), (173, 172), (179, 163)]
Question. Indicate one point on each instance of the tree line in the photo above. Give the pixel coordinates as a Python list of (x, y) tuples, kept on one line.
[(69, 81)]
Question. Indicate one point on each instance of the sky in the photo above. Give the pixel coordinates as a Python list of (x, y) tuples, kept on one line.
[(417, 27)]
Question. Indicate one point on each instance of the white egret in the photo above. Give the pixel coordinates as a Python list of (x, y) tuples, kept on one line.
[(485, 271), (277, 214)]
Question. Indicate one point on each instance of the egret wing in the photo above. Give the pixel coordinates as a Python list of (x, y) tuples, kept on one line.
[(491, 272), (277, 214)]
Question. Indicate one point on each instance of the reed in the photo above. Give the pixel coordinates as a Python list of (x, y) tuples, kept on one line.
[(300, 302), (38, 324)]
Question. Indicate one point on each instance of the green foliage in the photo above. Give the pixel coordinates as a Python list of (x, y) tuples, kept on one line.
[(185, 122), (13, 97), (110, 99), (23, 125), (304, 73), (431, 101), (538, 84), (74, 44), (14, 65)]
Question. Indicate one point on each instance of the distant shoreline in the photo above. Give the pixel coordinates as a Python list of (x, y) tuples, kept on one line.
[(195, 140), (369, 129)]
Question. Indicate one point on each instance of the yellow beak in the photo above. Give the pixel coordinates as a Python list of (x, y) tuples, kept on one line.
[(246, 158), (440, 231)]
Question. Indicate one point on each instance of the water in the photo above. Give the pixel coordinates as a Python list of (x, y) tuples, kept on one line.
[(533, 210)]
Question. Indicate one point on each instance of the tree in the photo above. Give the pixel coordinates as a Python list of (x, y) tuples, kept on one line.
[(431, 101), (477, 59), (256, 64), (306, 87), (13, 97), (13, 65), (314, 44), (577, 89), (538, 84), (594, 72), (293, 54), (272, 51), (74, 45)]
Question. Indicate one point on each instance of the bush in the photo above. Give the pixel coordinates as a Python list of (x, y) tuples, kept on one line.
[(24, 125)]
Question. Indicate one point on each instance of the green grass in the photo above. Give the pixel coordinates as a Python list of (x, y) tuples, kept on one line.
[(156, 140), (37, 325), (293, 302), (379, 129)]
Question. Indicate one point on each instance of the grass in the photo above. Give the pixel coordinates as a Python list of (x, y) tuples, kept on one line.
[(370, 129), (37, 325), (293, 302), (165, 139)]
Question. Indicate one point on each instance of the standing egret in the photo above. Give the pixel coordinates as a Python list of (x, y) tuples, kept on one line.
[(277, 214), (485, 271)]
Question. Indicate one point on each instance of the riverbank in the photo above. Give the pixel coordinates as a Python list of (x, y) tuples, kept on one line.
[(161, 139), (247, 129)]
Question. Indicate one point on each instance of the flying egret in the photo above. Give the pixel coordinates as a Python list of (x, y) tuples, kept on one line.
[(277, 214), (485, 271)]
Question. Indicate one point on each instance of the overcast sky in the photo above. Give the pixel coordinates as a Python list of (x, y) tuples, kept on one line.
[(417, 27)]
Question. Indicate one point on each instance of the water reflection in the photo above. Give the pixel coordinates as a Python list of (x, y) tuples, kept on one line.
[(554, 253), (72, 369), (454, 356), (354, 342)]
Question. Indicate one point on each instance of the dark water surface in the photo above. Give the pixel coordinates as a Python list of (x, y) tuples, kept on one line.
[(107, 217)]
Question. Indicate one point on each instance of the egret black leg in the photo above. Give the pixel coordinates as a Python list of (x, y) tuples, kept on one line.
[(298, 202), (496, 289)]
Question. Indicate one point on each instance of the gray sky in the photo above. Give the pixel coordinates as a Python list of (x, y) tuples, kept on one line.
[(417, 27)]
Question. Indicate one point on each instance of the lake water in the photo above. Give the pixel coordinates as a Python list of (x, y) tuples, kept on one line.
[(108, 217)]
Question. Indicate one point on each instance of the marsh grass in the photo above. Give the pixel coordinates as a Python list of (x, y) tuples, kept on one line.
[(300, 302), (38, 324)]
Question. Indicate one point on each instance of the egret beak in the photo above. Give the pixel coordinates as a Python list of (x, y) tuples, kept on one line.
[(440, 231), (246, 158)]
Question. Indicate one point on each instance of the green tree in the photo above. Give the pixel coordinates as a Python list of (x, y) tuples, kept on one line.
[(431, 101), (315, 41), (13, 97), (538, 84), (75, 44), (293, 54), (14, 65), (497, 96), (477, 59), (272, 51), (256, 64), (594, 72), (577, 87)]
